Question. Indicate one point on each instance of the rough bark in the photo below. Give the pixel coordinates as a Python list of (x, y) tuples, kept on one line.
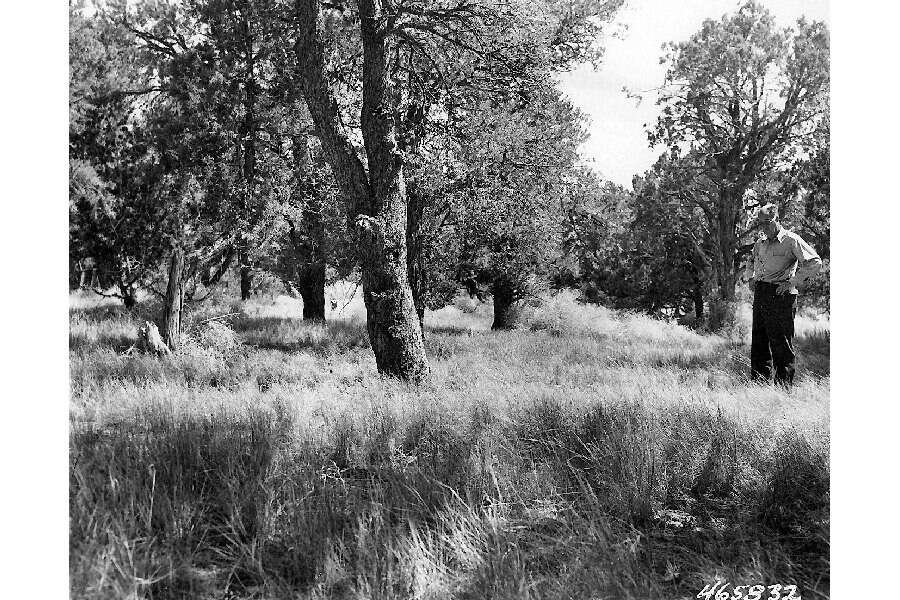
[(171, 322), (729, 207), (376, 200)]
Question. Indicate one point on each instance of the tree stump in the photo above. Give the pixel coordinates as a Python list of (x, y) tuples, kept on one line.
[(149, 339)]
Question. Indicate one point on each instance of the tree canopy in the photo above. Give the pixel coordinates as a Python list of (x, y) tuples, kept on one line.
[(748, 97)]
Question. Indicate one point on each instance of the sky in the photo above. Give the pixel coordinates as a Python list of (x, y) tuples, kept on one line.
[(618, 146)]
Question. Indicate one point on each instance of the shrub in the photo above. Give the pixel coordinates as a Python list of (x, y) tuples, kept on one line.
[(562, 314)]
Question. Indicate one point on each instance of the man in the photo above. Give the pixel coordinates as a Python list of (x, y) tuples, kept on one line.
[(782, 262)]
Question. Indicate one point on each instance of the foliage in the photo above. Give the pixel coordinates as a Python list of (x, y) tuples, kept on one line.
[(745, 122), (115, 179), (509, 219), (313, 223), (216, 61), (492, 170), (645, 249), (748, 97), (595, 237)]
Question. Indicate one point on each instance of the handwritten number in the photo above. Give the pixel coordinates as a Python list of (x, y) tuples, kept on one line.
[(709, 590), (756, 592)]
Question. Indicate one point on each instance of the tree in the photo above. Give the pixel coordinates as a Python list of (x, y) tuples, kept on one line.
[(807, 208), (376, 197), (595, 227), (677, 243), (224, 52), (113, 178), (374, 189), (314, 249), (220, 138), (519, 158), (647, 249), (747, 96)]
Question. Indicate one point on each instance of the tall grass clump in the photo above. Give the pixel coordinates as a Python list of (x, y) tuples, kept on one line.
[(397, 505), (562, 314)]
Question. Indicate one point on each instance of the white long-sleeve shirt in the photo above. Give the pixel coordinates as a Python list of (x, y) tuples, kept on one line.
[(786, 258)]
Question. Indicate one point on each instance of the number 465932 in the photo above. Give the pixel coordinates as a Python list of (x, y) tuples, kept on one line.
[(719, 591)]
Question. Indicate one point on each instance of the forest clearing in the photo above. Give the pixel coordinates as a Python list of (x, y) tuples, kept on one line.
[(431, 299)]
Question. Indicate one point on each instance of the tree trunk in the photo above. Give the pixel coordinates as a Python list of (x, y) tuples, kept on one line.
[(128, 296), (246, 281), (127, 290), (729, 206), (212, 275), (698, 300), (392, 323), (245, 272), (311, 285), (377, 199), (415, 261), (306, 266), (503, 303), (171, 321), (247, 146)]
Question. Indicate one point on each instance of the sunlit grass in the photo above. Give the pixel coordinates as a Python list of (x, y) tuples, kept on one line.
[(587, 453)]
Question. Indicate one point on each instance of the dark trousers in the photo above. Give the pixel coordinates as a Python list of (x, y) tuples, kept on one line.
[(773, 334)]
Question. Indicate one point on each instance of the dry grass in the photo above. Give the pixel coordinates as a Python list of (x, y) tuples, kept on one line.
[(588, 454)]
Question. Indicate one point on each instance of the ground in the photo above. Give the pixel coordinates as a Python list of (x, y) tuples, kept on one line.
[(587, 454)]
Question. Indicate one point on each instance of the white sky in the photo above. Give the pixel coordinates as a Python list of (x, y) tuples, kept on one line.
[(618, 146)]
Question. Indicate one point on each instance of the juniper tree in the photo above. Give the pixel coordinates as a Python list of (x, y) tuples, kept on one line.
[(746, 95)]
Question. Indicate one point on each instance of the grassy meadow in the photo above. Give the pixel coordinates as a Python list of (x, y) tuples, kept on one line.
[(587, 454)]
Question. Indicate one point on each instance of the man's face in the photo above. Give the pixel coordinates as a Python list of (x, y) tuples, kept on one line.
[(769, 226)]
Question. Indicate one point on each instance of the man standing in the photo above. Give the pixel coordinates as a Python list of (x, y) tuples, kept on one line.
[(782, 261)]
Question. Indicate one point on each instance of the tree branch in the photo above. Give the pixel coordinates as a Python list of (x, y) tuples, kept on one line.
[(323, 107)]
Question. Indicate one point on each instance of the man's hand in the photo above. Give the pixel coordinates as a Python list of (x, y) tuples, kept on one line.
[(784, 287)]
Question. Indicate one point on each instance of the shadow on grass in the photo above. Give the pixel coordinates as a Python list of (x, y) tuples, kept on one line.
[(293, 335), (117, 342), (814, 352), (102, 327), (197, 506), (697, 486), (108, 326)]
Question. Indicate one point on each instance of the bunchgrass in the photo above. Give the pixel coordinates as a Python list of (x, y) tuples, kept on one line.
[(586, 454)]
